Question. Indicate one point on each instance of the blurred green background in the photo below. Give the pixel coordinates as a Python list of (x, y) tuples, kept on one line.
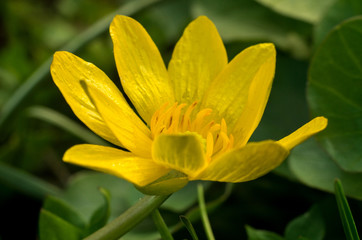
[(319, 72)]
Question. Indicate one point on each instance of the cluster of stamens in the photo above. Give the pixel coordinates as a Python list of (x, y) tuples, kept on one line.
[(177, 119)]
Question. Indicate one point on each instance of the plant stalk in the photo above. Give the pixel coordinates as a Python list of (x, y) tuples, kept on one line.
[(129, 219)]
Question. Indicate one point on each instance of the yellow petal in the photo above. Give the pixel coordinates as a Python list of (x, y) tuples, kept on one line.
[(198, 57), (139, 171), (303, 133), (182, 152), (68, 71), (230, 92), (246, 163), (140, 66), (257, 99), (124, 123)]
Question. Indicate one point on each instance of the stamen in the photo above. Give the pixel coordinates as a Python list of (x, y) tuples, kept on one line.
[(200, 118), (206, 129), (187, 122), (209, 146), (176, 116), (175, 120)]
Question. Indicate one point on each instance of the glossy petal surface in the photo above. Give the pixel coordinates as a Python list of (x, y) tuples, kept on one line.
[(124, 123), (246, 163), (258, 96), (140, 66), (140, 171), (229, 93), (182, 152), (303, 133), (198, 57), (68, 71)]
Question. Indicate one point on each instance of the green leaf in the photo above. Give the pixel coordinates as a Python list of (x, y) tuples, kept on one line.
[(313, 167), (345, 213), (336, 13), (334, 91), (82, 196), (101, 215), (306, 10), (310, 225), (255, 234), (62, 210), (83, 193), (249, 21), (52, 227)]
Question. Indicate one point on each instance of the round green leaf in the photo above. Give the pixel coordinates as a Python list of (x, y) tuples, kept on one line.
[(83, 193), (63, 210), (334, 91), (52, 227), (310, 225), (313, 167), (336, 13)]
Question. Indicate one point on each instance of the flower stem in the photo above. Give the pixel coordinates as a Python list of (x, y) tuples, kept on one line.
[(129, 219), (161, 225), (204, 217)]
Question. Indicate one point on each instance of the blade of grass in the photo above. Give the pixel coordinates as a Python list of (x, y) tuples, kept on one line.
[(26, 183), (189, 227), (345, 212), (60, 120), (14, 102)]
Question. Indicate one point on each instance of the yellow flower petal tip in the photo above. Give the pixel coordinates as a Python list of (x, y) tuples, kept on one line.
[(303, 133), (196, 116)]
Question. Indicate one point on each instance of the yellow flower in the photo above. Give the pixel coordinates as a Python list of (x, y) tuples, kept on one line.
[(196, 116)]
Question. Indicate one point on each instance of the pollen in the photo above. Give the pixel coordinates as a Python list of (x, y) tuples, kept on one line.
[(180, 118)]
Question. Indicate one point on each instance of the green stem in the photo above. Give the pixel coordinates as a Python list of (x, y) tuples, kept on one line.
[(204, 217), (129, 219), (161, 225), (40, 74)]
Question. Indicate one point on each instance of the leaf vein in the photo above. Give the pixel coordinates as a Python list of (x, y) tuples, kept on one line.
[(337, 94), (350, 51)]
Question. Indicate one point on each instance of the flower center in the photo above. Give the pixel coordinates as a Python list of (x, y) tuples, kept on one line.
[(177, 119)]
